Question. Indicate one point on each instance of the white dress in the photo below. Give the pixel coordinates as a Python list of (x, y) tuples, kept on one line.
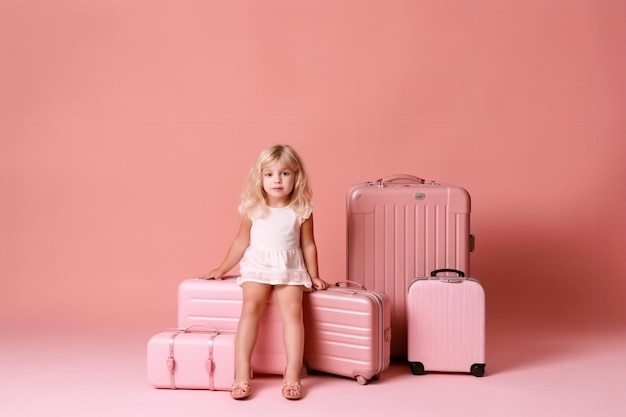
[(274, 256)]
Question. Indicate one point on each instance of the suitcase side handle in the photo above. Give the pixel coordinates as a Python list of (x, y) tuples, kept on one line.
[(399, 178)]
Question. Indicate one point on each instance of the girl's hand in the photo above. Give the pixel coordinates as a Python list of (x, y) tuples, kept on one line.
[(319, 284), (214, 274)]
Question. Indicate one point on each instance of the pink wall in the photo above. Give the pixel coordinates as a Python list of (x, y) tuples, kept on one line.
[(127, 128)]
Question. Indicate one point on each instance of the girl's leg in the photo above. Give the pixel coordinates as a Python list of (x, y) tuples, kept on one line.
[(290, 302), (254, 301)]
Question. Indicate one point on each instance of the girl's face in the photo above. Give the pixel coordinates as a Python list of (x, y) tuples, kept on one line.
[(278, 182)]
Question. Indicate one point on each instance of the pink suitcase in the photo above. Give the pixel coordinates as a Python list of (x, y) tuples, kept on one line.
[(446, 324), (401, 227), (200, 359), (348, 332), (218, 303)]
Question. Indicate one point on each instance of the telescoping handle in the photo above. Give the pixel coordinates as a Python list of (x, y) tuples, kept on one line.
[(399, 179), (459, 278)]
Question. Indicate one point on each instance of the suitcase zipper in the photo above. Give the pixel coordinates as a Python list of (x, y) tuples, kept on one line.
[(383, 333)]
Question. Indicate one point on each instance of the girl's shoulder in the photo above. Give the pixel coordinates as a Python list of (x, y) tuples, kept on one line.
[(304, 211)]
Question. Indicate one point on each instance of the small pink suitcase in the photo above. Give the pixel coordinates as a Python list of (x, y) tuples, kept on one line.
[(200, 359), (446, 324), (218, 304), (348, 332), (401, 227)]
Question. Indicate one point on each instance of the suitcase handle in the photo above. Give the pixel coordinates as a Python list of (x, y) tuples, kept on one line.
[(460, 277), (456, 271), (344, 284), (403, 178), (211, 329)]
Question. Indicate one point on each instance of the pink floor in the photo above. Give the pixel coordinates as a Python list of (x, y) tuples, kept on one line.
[(530, 372)]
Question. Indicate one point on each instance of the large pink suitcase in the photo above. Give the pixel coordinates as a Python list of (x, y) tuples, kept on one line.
[(446, 324), (348, 332), (401, 227), (193, 358), (218, 304)]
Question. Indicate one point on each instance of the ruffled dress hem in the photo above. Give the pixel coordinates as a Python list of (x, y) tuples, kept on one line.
[(274, 280)]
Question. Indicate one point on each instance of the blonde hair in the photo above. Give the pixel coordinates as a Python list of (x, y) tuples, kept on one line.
[(253, 203)]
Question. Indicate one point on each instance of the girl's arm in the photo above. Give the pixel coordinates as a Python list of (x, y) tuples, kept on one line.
[(235, 252), (309, 252)]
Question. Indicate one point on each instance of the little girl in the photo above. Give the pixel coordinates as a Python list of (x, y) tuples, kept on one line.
[(276, 251)]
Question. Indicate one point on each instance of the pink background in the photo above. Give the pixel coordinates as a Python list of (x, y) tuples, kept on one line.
[(127, 129)]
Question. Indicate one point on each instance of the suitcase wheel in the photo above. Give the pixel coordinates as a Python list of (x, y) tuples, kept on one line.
[(361, 380), (478, 369), (417, 368)]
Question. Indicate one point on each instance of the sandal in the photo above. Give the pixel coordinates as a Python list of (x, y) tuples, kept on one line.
[(240, 390), (292, 390)]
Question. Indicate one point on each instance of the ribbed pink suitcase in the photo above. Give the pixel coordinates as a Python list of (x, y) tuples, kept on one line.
[(194, 358), (218, 304), (348, 332), (401, 227), (446, 324)]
